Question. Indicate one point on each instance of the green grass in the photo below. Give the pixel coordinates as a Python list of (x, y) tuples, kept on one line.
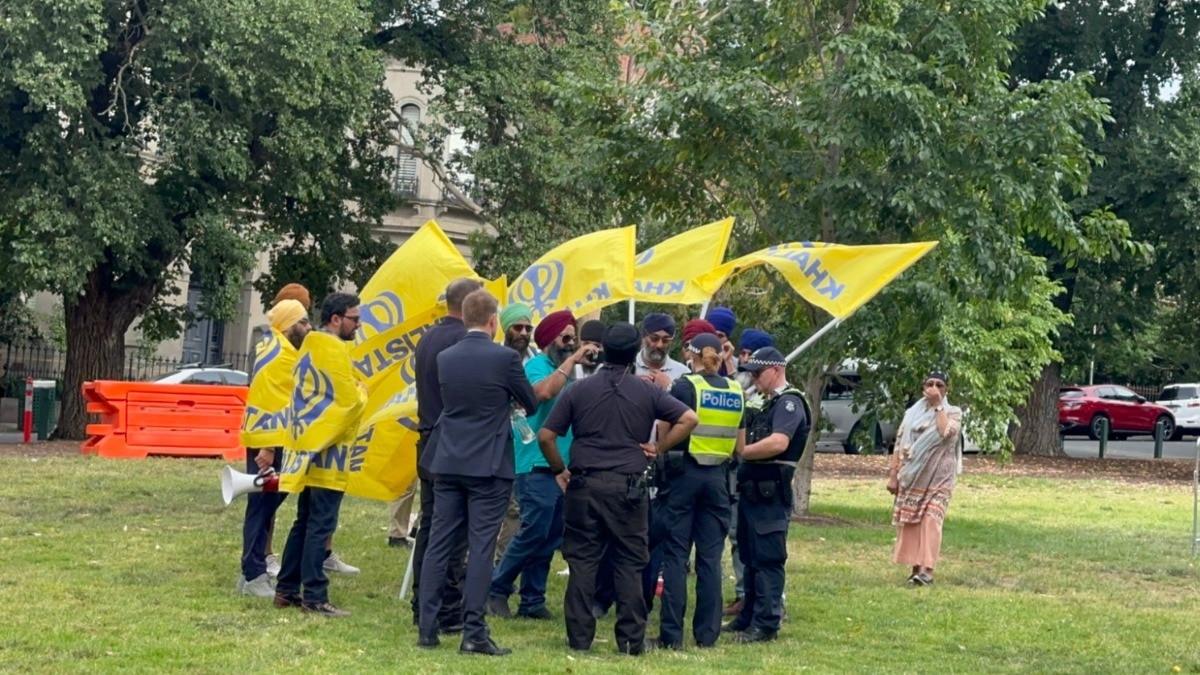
[(131, 565)]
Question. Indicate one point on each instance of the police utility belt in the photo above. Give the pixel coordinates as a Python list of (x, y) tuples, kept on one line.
[(766, 482)]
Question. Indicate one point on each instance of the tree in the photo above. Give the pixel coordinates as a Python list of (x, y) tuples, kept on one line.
[(855, 122), (1138, 52), (142, 141)]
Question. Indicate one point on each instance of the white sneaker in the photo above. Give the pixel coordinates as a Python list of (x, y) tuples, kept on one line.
[(259, 586), (334, 564), (272, 565)]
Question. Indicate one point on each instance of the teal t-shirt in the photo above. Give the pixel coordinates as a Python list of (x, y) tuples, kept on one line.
[(528, 455)]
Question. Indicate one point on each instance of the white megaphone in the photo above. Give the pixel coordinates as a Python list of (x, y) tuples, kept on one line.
[(234, 483)]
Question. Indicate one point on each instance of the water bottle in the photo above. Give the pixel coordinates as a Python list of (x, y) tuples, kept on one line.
[(521, 424)]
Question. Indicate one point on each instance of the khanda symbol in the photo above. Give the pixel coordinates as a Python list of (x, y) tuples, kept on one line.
[(644, 257), (312, 394), (539, 287), (378, 315)]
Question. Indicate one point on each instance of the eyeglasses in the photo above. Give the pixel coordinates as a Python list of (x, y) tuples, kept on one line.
[(567, 339), (356, 318), (935, 383), (521, 328), (659, 339)]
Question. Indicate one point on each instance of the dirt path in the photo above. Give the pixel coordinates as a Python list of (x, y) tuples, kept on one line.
[(829, 465)]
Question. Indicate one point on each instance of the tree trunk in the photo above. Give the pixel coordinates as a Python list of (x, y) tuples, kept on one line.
[(802, 481), (1037, 433), (96, 322)]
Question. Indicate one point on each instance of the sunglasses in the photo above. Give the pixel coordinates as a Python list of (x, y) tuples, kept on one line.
[(521, 328), (935, 383), (567, 339), (356, 318)]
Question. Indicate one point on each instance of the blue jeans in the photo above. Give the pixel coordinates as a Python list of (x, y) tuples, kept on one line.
[(304, 556), (260, 514), (532, 548)]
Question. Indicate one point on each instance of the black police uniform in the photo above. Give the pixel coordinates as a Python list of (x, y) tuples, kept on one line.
[(764, 508), (697, 510)]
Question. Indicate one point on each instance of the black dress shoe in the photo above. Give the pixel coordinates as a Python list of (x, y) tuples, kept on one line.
[(451, 628), (755, 635), (541, 613), (497, 605), (734, 626), (399, 542), (486, 647), (428, 642)]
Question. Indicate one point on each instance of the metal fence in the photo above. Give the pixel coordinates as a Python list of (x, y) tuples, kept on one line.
[(45, 362)]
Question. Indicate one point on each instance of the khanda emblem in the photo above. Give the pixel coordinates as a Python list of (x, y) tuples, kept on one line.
[(379, 315), (645, 257), (539, 287), (312, 394)]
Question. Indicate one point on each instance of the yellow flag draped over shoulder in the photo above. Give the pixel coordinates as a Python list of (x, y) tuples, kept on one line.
[(327, 407), (666, 273), (582, 275), (268, 403), (399, 303), (838, 279), (387, 446)]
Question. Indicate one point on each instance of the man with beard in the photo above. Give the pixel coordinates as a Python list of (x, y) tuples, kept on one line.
[(591, 333), (540, 498), (263, 432), (654, 363), (516, 321), (304, 555)]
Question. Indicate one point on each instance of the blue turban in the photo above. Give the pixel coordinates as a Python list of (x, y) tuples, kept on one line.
[(754, 339), (723, 319)]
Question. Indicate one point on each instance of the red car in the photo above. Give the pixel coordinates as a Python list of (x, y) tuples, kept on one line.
[(1081, 409)]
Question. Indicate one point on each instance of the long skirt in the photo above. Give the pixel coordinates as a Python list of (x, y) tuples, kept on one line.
[(919, 543)]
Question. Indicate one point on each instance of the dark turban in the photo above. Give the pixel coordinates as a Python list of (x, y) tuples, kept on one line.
[(551, 327)]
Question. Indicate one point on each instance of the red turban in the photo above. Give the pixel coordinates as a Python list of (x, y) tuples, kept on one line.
[(551, 327), (695, 327)]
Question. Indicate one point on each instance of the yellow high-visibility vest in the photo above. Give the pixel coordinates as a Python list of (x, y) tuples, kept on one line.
[(720, 412)]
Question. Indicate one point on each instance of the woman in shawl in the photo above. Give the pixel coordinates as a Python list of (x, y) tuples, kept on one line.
[(922, 475)]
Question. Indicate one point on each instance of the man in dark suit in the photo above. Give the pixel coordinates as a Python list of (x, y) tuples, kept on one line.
[(445, 334), (472, 466)]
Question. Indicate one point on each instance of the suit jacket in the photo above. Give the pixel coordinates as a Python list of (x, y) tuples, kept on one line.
[(473, 437)]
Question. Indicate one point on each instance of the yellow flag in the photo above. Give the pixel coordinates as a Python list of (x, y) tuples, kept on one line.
[(327, 407), (666, 273), (399, 303), (387, 446), (582, 275), (268, 403), (838, 279)]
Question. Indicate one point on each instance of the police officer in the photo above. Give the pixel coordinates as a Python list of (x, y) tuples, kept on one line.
[(605, 507), (696, 495), (775, 441)]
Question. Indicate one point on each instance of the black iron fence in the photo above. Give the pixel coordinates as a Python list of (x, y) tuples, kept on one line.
[(45, 362)]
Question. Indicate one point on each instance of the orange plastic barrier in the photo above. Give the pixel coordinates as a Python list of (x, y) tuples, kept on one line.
[(138, 419)]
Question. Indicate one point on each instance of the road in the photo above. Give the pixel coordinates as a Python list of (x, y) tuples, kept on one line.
[(1137, 448)]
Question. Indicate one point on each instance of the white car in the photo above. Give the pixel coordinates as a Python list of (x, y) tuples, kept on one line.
[(206, 375), (1184, 402), (854, 429)]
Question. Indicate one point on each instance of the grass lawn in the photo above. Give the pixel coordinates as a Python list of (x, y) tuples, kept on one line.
[(131, 565)]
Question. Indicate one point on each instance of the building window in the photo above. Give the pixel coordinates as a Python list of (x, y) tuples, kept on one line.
[(405, 183)]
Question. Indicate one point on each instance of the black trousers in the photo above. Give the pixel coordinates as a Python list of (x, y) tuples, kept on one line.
[(475, 506), (451, 612), (697, 512), (762, 544), (598, 514), (303, 561), (606, 592)]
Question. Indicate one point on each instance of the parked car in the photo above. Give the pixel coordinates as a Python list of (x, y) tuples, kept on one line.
[(1081, 410), (1183, 400), (206, 375), (847, 427)]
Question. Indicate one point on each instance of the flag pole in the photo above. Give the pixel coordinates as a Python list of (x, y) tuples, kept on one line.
[(632, 303), (704, 308), (813, 338)]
